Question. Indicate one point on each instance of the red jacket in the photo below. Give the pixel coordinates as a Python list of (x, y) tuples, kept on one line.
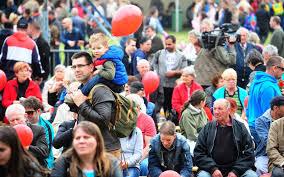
[(10, 92), (180, 95)]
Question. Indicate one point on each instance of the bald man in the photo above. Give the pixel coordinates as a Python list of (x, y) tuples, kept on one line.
[(71, 36), (224, 147)]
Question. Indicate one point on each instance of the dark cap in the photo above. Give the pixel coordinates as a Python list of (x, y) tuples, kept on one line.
[(22, 23), (136, 86), (277, 101)]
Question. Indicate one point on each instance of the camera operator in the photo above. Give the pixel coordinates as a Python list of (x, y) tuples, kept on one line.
[(215, 59), (242, 50)]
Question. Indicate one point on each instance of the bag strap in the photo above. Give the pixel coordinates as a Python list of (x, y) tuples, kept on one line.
[(117, 99)]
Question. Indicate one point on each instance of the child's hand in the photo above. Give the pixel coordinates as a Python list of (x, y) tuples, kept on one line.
[(96, 72)]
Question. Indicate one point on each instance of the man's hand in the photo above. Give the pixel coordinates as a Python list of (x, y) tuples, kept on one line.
[(81, 42), (123, 165), (78, 97), (171, 73), (217, 173), (56, 87), (71, 43), (231, 174)]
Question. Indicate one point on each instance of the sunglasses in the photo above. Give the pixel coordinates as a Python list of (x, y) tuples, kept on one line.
[(280, 68)]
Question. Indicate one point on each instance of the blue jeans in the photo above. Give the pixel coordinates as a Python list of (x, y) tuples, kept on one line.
[(261, 164), (248, 173), (253, 133), (131, 172), (144, 167), (277, 172), (90, 84)]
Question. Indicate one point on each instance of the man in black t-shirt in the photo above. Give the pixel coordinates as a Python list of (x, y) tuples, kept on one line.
[(224, 146)]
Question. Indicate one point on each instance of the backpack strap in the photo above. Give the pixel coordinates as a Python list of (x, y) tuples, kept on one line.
[(117, 102)]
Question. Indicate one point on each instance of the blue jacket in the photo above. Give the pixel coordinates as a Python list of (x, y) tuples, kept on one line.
[(262, 125), (243, 71), (220, 93), (262, 90), (180, 160), (115, 54), (49, 134)]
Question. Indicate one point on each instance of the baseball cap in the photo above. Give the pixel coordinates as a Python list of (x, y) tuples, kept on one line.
[(22, 23), (136, 86), (277, 101)]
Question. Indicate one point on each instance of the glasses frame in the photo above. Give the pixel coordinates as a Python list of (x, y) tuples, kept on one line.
[(79, 66)]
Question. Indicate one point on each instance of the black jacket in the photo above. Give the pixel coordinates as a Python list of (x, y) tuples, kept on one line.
[(101, 111), (62, 168), (63, 137), (4, 33), (39, 147), (44, 52), (157, 44), (205, 144)]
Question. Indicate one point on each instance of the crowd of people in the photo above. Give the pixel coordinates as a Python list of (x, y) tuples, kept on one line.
[(217, 108)]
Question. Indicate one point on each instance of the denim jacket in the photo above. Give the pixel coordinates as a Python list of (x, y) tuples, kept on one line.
[(179, 158), (262, 125)]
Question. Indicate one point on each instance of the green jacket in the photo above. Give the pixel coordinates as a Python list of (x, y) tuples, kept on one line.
[(192, 121), (277, 39), (210, 62)]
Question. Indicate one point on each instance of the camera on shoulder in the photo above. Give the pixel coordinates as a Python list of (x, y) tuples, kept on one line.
[(224, 33)]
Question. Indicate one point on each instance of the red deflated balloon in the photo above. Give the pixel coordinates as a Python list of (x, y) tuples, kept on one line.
[(3, 80), (25, 134), (150, 81), (169, 173), (126, 20)]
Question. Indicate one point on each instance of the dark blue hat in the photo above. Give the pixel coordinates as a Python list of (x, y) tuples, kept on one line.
[(22, 23)]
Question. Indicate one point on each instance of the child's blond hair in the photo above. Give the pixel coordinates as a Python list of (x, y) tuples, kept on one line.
[(98, 39)]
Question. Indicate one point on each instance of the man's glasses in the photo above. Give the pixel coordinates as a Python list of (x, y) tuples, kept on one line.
[(79, 66), (30, 112), (280, 68)]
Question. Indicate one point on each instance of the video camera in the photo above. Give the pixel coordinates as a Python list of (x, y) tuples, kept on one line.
[(222, 33)]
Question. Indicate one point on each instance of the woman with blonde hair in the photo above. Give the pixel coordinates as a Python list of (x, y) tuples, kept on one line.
[(87, 157), (230, 89)]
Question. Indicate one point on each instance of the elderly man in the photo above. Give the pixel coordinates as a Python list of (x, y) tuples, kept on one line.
[(16, 114), (33, 108), (224, 146), (143, 66), (242, 50), (169, 151), (269, 51), (102, 109)]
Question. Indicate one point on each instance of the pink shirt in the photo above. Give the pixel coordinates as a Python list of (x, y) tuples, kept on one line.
[(146, 124)]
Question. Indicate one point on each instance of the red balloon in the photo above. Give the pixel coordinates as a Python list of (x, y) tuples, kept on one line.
[(25, 134), (169, 173), (3, 80), (150, 81), (126, 20)]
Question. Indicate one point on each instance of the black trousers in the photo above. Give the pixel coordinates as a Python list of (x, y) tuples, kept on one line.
[(168, 93)]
